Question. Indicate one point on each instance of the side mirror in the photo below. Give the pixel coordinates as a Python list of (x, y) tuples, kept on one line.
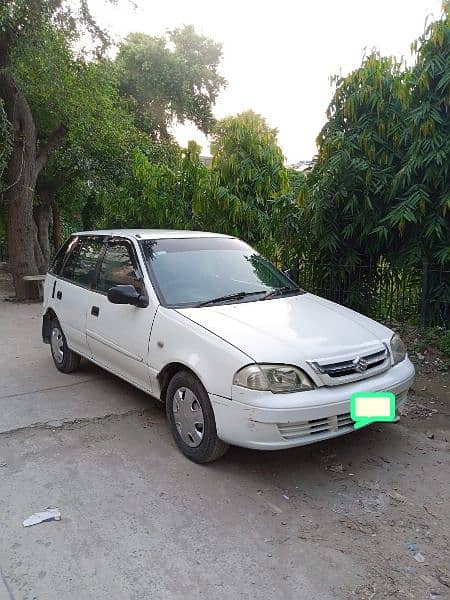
[(127, 294)]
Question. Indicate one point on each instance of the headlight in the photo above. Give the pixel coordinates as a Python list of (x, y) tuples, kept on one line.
[(397, 348), (273, 378)]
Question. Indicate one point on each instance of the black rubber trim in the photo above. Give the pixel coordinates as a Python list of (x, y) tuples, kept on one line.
[(46, 328)]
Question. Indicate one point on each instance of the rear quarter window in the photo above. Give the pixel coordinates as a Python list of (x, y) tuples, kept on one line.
[(58, 260)]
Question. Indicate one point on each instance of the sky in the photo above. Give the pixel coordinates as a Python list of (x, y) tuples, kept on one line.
[(278, 56)]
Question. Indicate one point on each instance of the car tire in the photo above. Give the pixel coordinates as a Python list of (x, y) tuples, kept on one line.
[(191, 419), (64, 358)]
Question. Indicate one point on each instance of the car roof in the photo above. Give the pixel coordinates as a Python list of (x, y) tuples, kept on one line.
[(152, 234)]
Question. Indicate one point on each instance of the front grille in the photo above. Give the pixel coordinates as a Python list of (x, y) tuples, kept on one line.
[(352, 369), (316, 427), (347, 367)]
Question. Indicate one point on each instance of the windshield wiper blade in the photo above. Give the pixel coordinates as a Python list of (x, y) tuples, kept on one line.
[(281, 291), (236, 296)]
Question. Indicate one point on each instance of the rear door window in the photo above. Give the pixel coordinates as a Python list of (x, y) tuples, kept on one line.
[(119, 268), (82, 262), (59, 258)]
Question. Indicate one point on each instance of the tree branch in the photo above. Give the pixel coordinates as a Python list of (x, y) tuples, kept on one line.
[(45, 149)]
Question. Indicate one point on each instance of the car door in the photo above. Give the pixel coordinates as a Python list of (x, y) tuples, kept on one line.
[(118, 334), (72, 293)]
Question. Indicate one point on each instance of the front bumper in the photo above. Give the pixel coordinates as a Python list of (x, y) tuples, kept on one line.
[(267, 421)]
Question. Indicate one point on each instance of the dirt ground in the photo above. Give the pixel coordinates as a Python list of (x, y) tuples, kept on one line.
[(362, 516)]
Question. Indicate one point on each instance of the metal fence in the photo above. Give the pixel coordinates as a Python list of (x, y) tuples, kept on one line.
[(382, 291)]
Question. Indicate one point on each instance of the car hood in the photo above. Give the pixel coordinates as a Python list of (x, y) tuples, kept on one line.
[(291, 329)]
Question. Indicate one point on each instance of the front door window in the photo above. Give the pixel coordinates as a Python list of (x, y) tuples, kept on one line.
[(118, 268)]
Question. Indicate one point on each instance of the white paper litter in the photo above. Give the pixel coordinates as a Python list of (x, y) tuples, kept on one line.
[(49, 514)]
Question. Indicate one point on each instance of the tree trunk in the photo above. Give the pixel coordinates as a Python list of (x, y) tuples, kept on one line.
[(20, 180), (42, 217), (24, 166), (57, 236), (42, 220)]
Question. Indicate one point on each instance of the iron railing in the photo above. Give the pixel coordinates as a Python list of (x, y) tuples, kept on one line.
[(383, 291)]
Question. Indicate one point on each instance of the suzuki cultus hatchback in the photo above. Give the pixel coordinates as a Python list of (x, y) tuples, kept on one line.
[(233, 348)]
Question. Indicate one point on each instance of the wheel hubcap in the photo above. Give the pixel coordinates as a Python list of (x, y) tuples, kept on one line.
[(57, 344), (188, 416)]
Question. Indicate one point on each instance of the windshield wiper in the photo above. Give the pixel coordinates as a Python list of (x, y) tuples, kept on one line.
[(236, 296), (283, 290)]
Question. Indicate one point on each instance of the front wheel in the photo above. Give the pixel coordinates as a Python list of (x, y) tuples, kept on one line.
[(191, 419), (65, 360)]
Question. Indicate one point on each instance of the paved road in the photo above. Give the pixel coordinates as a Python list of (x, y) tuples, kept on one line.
[(139, 521)]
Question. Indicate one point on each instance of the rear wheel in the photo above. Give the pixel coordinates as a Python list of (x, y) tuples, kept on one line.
[(191, 418), (64, 358)]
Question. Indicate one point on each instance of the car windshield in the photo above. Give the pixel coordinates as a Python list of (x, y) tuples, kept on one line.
[(194, 271)]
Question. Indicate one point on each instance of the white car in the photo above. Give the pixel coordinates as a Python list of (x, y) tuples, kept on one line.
[(233, 348)]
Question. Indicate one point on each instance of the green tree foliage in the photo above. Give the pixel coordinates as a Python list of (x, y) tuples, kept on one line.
[(89, 139), (156, 193), (237, 195), (23, 19), (23, 25), (421, 188), (290, 228), (360, 152), (247, 158), (170, 77), (246, 192), (424, 181), (379, 190), (67, 88)]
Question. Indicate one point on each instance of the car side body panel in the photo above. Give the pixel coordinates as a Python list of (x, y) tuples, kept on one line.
[(70, 304), (118, 338), (118, 334)]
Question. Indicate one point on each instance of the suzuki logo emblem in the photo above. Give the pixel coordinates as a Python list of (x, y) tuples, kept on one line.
[(360, 364)]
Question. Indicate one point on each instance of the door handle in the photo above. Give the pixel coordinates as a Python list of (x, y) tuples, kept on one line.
[(95, 311), (59, 294)]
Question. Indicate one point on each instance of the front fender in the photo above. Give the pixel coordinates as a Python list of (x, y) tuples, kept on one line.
[(176, 339)]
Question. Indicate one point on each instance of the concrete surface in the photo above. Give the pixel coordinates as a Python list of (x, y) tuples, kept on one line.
[(139, 521), (32, 391), (5, 592)]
